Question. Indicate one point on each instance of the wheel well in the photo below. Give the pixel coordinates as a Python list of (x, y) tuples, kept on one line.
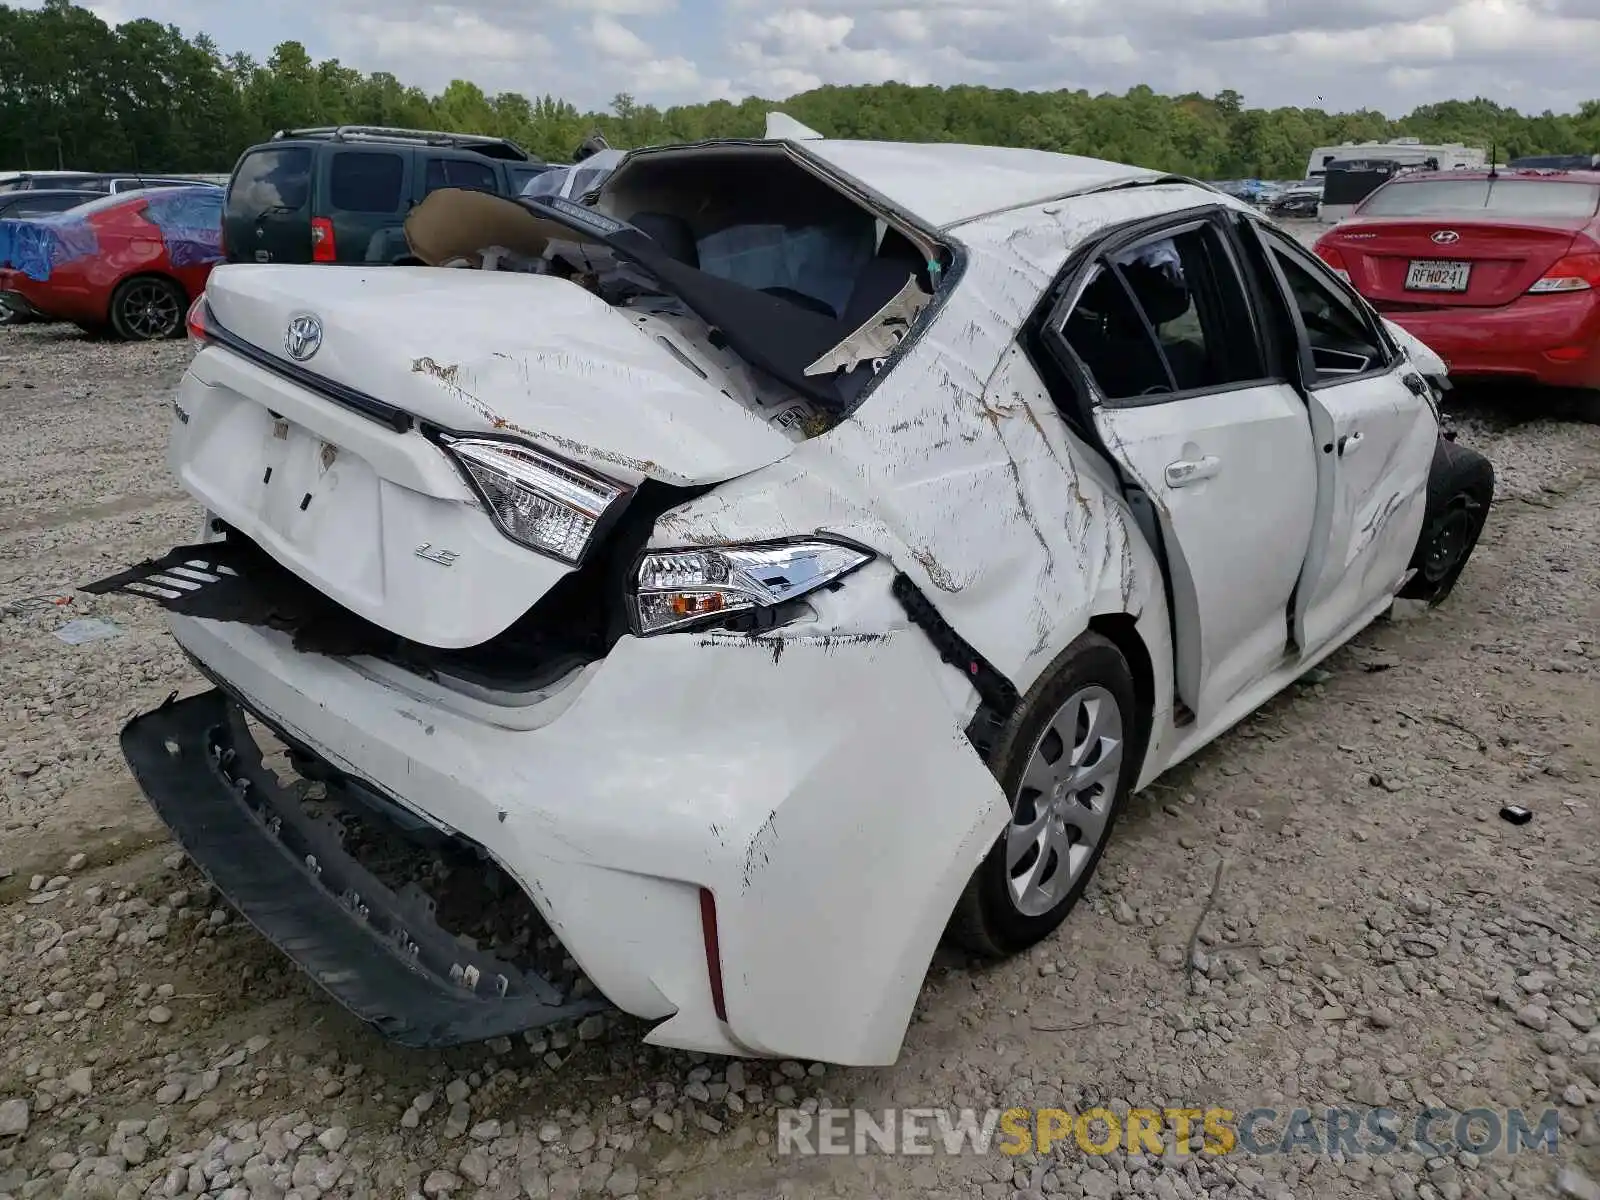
[(1122, 631)]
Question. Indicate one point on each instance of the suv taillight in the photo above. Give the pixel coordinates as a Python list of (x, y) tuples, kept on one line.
[(1574, 273), (322, 248)]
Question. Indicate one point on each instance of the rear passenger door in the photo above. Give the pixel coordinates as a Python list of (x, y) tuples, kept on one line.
[(1375, 434), (368, 193), (1183, 394)]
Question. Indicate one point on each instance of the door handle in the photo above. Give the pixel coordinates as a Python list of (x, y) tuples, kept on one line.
[(1192, 470), (1349, 444)]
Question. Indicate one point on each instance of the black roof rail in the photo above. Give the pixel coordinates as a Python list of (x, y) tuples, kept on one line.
[(491, 147)]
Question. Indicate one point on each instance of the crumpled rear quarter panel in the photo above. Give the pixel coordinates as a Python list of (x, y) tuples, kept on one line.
[(958, 467)]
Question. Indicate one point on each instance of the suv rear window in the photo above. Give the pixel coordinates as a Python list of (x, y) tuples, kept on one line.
[(1488, 197), (365, 181), (459, 173), (270, 179)]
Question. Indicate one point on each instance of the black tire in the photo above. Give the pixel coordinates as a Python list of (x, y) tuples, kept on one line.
[(987, 921), (11, 316), (1460, 493), (148, 308)]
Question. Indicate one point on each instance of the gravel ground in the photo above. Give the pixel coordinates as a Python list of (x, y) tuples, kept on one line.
[(1377, 935)]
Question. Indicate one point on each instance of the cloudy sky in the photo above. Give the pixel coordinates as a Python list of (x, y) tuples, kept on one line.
[(1392, 54)]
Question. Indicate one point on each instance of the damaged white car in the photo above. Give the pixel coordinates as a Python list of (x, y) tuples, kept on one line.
[(802, 558)]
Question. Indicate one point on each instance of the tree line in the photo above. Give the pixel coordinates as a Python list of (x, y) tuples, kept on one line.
[(78, 94)]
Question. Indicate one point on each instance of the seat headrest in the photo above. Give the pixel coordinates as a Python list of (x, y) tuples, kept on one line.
[(1161, 291), (669, 232)]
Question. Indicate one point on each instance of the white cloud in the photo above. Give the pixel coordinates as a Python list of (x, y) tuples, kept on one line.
[(1391, 54), (453, 32), (615, 40), (619, 8)]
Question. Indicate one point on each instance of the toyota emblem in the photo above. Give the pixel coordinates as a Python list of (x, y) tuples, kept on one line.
[(303, 337), (1447, 237)]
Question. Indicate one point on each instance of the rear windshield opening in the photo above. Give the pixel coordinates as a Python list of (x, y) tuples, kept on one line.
[(760, 221), (276, 180), (1485, 197)]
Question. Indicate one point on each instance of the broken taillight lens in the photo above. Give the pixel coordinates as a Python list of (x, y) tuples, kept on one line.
[(1334, 259), (1574, 273), (678, 588), (323, 249)]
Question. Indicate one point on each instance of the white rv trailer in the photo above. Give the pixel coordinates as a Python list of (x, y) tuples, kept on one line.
[(1407, 151)]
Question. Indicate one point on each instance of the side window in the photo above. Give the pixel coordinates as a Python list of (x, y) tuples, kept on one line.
[(458, 173), (43, 205), (1341, 338), (1165, 316), (365, 181)]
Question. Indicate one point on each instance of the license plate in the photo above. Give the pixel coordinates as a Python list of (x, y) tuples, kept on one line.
[(1434, 275)]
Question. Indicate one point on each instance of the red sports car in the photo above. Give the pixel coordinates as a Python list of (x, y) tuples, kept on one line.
[(132, 262), (1498, 273)]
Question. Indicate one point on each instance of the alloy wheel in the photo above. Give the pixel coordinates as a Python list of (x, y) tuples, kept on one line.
[(1064, 800), (150, 311)]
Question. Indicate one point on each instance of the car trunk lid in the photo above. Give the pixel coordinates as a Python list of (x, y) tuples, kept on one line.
[(1441, 263), (501, 352), (332, 464)]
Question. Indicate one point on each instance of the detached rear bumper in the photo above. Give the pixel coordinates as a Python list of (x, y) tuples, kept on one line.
[(384, 960), (754, 841)]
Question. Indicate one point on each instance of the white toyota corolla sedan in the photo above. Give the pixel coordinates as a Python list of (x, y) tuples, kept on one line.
[(798, 558)]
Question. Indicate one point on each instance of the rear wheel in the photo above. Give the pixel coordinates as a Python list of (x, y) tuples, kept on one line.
[(10, 316), (1460, 491), (146, 308), (1067, 762)]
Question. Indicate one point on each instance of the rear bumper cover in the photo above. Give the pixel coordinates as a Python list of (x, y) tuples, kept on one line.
[(290, 879), (1516, 340), (819, 786)]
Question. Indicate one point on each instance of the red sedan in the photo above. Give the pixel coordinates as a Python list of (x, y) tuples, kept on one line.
[(132, 262), (1498, 273)]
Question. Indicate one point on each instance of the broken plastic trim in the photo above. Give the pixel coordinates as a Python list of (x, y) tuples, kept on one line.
[(997, 695), (385, 960)]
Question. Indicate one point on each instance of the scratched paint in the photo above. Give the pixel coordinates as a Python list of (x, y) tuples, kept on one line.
[(957, 465)]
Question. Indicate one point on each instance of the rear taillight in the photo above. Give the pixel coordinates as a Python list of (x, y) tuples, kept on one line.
[(708, 931), (1574, 273), (322, 248), (1334, 259), (199, 312)]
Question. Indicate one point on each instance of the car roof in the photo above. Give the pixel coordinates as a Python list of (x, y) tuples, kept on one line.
[(940, 183), (948, 183)]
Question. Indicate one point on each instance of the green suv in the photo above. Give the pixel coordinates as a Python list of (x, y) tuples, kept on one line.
[(340, 194)]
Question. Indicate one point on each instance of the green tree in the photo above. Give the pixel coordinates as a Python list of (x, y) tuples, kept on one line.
[(75, 92)]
